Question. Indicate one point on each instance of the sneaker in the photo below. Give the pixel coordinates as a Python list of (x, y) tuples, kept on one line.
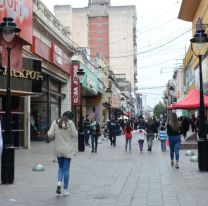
[(176, 166), (172, 163), (92, 151), (58, 189), (65, 192)]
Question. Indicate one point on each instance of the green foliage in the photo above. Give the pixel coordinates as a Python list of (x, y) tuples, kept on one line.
[(159, 109)]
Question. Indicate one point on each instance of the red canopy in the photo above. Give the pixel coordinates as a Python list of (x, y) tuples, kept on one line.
[(191, 101)]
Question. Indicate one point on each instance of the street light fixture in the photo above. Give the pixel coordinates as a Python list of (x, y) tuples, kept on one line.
[(8, 30), (81, 143), (198, 47)]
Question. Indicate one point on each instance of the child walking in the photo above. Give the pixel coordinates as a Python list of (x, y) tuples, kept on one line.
[(141, 136), (163, 137), (128, 134)]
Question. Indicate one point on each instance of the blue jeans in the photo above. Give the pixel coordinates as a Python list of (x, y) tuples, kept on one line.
[(86, 136), (94, 138), (63, 172), (174, 143), (128, 141), (163, 146)]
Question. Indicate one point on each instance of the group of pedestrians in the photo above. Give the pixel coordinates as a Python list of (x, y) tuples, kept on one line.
[(91, 129), (171, 131), (66, 135)]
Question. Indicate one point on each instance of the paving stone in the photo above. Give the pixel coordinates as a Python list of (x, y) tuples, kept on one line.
[(109, 178)]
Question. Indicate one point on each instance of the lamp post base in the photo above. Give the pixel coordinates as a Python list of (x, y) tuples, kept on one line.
[(81, 142), (203, 155), (7, 166)]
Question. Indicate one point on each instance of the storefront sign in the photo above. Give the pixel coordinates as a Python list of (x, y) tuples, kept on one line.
[(26, 74), (75, 85), (56, 54), (21, 11), (116, 102)]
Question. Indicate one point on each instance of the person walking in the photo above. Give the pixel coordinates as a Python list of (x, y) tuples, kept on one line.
[(113, 127), (141, 135), (65, 146), (95, 133), (185, 126), (128, 135), (174, 136), (150, 133), (163, 137), (193, 123)]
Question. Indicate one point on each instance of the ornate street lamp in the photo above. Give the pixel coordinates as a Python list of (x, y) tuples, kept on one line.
[(81, 142), (198, 47), (8, 30)]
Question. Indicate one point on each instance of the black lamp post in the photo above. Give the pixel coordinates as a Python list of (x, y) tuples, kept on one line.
[(108, 90), (122, 100), (8, 30), (81, 142), (197, 44)]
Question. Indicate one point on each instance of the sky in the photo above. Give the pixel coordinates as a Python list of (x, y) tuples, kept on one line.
[(162, 41)]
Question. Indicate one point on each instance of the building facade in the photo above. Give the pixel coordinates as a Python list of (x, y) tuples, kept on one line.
[(40, 78), (96, 27)]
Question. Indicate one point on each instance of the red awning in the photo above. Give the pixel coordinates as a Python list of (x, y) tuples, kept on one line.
[(191, 101)]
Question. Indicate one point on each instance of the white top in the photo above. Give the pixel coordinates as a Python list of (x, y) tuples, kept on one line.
[(141, 134), (65, 139)]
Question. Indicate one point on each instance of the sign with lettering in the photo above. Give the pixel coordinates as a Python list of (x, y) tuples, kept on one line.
[(75, 85), (26, 74), (21, 11)]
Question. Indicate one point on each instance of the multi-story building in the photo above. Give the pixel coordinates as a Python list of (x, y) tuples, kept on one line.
[(109, 31), (40, 73)]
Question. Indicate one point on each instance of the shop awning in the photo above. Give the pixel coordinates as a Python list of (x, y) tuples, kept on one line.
[(191, 101)]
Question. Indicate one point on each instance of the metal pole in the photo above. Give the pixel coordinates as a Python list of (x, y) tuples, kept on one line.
[(7, 164), (202, 141), (109, 108), (122, 113), (202, 132), (81, 143)]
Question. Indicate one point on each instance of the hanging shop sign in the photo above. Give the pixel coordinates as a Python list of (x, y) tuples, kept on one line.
[(75, 85), (21, 11)]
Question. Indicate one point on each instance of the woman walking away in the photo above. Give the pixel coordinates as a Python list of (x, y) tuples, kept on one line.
[(163, 137), (141, 134), (128, 134), (95, 133), (174, 135), (66, 136)]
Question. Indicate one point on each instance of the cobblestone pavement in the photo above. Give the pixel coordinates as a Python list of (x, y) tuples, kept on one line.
[(112, 177)]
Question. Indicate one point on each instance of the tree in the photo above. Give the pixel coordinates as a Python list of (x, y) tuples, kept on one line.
[(159, 110)]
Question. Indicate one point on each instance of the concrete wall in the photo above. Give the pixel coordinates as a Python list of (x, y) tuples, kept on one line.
[(121, 23), (121, 41)]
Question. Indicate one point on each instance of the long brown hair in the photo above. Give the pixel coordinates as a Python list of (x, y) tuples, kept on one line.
[(128, 127), (173, 122)]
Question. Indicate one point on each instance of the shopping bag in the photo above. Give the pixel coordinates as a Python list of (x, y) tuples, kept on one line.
[(167, 142)]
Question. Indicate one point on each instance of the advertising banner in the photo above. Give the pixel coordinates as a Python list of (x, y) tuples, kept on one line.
[(75, 85), (21, 11)]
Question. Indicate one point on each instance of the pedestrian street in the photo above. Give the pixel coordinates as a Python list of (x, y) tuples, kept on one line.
[(110, 177)]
